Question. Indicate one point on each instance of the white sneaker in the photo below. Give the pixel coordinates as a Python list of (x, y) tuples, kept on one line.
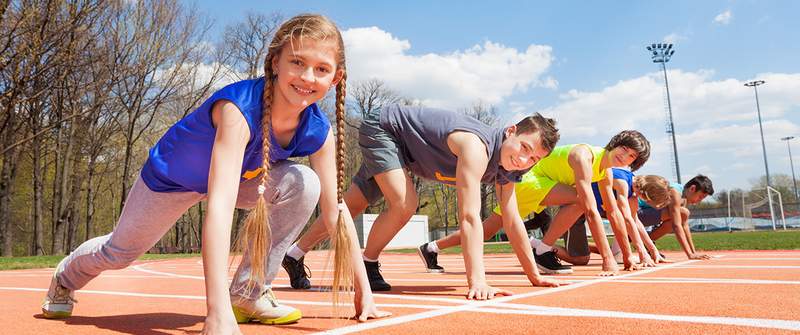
[(60, 300), (265, 309)]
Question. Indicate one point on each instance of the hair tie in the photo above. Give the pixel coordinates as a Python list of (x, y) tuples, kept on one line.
[(261, 189), (341, 206)]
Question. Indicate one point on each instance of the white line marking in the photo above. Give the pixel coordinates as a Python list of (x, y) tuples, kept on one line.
[(479, 304), (741, 267), (760, 259), (728, 321), (712, 281), (100, 276), (198, 297), (142, 269)]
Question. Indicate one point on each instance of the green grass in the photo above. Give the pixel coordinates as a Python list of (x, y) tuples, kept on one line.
[(37, 262), (747, 240)]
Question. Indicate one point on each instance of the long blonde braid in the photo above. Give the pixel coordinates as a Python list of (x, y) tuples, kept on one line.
[(256, 239), (342, 267)]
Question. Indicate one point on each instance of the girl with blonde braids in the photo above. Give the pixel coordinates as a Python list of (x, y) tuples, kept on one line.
[(233, 152)]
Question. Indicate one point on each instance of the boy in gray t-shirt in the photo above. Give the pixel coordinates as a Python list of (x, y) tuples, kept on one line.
[(450, 148)]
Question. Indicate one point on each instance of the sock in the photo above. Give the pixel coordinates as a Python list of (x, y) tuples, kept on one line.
[(433, 247), (615, 249), (534, 242), (295, 252), (540, 247), (368, 259)]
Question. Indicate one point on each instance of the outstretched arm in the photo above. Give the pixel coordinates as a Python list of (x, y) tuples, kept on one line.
[(677, 222), (616, 219), (472, 162), (580, 159), (518, 236), (633, 229), (648, 242), (223, 188)]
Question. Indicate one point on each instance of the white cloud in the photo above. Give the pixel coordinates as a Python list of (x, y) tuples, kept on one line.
[(202, 73), (674, 38), (715, 121), (696, 100), (723, 18), (490, 72)]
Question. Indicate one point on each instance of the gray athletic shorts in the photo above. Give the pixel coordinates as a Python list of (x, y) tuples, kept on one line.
[(379, 152), (650, 217), (577, 244)]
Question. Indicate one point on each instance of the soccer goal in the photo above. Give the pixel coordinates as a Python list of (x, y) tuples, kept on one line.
[(770, 192)]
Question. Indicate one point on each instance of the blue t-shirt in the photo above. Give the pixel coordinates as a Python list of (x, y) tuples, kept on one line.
[(623, 174), (644, 205), (180, 161)]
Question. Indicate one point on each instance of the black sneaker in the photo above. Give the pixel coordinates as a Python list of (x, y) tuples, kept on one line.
[(376, 281), (548, 263), (539, 221), (298, 277), (430, 259)]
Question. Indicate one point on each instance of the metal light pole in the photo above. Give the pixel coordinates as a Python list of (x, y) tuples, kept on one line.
[(791, 162), (661, 53), (754, 84)]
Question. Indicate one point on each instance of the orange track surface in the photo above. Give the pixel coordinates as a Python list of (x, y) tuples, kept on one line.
[(738, 292)]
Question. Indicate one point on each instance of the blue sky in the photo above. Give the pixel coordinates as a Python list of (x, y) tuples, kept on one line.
[(585, 64)]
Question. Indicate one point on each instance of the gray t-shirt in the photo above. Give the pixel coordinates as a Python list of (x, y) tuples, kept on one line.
[(422, 136)]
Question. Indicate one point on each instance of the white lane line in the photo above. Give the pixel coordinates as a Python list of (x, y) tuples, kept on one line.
[(761, 259), (420, 298), (728, 321), (142, 269), (199, 297), (762, 254), (518, 309), (486, 303), (740, 267), (713, 281), (100, 276)]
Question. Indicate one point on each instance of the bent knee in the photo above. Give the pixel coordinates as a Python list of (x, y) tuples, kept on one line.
[(581, 260), (118, 259), (302, 183), (405, 208)]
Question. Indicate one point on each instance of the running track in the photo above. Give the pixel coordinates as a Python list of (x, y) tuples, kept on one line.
[(737, 292)]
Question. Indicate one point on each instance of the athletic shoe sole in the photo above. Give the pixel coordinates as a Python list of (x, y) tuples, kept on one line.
[(547, 271), (56, 315), (422, 257), (242, 317)]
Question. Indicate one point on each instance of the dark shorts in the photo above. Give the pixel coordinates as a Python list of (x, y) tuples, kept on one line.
[(577, 244), (539, 221), (650, 217), (380, 153)]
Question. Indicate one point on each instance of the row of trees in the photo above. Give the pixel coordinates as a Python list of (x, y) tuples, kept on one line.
[(87, 87)]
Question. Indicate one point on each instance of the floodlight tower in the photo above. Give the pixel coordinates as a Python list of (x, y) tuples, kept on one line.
[(661, 53), (754, 84)]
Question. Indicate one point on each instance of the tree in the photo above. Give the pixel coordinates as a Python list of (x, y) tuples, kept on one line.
[(371, 95), (151, 42), (248, 43)]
